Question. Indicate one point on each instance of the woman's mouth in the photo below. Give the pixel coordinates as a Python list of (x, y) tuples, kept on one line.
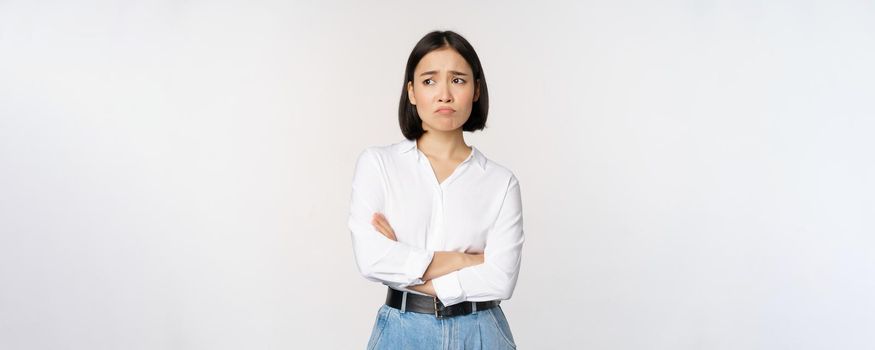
[(445, 110)]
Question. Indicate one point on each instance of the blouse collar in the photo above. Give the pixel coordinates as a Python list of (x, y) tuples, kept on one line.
[(409, 145)]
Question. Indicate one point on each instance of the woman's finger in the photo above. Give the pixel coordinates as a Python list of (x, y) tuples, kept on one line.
[(383, 227), (378, 225), (386, 225)]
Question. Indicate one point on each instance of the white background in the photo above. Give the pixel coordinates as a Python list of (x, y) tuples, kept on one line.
[(695, 174)]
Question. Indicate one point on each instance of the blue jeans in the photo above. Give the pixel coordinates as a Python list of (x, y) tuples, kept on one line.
[(483, 329)]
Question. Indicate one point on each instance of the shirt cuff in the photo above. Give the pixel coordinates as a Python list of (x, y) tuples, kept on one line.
[(417, 263), (448, 289)]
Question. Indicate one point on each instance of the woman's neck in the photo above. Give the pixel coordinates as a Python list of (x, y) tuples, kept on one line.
[(443, 146)]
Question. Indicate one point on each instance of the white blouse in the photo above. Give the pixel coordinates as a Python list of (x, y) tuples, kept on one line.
[(476, 209)]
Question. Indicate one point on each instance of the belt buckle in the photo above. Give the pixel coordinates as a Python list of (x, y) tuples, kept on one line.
[(436, 313)]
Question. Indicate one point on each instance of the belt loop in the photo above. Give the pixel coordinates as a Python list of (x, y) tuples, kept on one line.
[(474, 307), (436, 313), (404, 302)]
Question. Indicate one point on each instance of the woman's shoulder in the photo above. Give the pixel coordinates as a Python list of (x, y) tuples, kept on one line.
[(378, 156), (496, 169), (384, 150)]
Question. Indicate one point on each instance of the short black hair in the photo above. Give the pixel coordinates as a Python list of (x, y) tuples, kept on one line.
[(408, 118)]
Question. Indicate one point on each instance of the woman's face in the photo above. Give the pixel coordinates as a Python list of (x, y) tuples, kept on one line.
[(443, 90)]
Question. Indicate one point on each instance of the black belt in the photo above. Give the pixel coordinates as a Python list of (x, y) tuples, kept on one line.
[(432, 305)]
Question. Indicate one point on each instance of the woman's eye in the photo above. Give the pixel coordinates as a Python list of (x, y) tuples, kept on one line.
[(432, 82)]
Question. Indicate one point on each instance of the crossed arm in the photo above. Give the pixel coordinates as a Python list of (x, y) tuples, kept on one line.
[(441, 264), (456, 276)]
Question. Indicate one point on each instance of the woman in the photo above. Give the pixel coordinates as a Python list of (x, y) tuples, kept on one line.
[(452, 250)]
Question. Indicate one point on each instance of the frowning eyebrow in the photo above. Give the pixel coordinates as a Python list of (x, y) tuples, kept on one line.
[(435, 72)]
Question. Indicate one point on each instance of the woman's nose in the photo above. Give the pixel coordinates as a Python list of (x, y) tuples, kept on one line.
[(445, 95)]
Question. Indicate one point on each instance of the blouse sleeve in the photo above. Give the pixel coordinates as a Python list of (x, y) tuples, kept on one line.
[(496, 277), (377, 257)]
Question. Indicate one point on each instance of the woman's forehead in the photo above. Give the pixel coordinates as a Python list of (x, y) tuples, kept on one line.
[(442, 60)]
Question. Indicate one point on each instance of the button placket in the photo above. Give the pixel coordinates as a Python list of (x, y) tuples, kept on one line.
[(439, 220), (435, 234), (435, 237)]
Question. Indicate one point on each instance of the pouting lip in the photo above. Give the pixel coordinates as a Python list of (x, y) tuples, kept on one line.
[(444, 108)]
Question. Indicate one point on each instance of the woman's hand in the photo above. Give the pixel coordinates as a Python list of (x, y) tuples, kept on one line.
[(381, 224), (442, 263)]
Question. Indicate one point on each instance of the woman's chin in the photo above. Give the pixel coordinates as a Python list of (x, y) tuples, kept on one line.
[(443, 126), (447, 129)]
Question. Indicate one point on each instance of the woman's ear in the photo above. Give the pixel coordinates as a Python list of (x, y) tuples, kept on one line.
[(410, 96), (477, 91)]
